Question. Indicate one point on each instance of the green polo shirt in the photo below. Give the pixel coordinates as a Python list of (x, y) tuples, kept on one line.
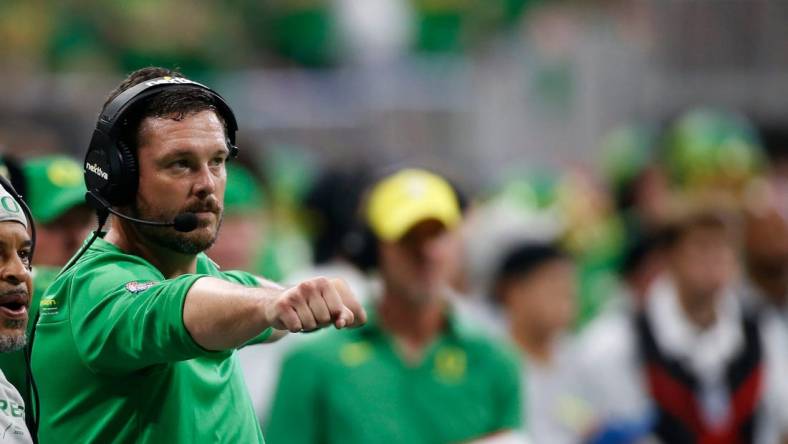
[(13, 364), (351, 386), (114, 363)]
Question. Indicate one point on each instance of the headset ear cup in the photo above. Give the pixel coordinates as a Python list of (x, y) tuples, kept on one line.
[(233, 149), (127, 175), (123, 176)]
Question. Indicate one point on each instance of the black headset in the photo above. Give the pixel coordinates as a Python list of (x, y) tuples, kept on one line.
[(111, 169)]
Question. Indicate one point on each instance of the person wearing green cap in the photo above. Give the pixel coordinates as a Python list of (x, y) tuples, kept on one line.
[(414, 373), (56, 195)]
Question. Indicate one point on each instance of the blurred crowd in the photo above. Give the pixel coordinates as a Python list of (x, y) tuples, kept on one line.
[(641, 299), (93, 35)]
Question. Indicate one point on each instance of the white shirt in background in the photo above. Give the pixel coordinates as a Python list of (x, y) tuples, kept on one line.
[(608, 377), (13, 429)]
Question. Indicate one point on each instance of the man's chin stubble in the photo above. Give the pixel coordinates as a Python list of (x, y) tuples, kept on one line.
[(11, 342)]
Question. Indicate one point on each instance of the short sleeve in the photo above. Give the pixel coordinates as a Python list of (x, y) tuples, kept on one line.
[(125, 317), (241, 277)]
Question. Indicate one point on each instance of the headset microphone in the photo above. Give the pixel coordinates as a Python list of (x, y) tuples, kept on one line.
[(183, 222)]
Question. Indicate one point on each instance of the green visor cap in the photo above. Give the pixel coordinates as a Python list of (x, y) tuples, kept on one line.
[(243, 194), (54, 186)]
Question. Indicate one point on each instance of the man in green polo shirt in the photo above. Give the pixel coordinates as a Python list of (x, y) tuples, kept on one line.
[(136, 339), (413, 374), (55, 192)]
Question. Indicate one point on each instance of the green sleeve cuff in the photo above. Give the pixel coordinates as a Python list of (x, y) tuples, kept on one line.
[(262, 337)]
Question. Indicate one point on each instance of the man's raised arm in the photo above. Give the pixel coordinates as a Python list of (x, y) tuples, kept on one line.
[(221, 315)]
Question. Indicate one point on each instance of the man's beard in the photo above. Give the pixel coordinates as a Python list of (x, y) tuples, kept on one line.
[(12, 342), (168, 237)]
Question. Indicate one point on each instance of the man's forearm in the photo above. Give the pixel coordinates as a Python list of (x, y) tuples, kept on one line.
[(221, 315)]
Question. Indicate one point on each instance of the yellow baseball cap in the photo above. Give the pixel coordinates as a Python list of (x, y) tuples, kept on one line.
[(400, 201)]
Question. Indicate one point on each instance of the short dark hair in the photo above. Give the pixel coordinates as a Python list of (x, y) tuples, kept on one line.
[(522, 260), (677, 229), (174, 103)]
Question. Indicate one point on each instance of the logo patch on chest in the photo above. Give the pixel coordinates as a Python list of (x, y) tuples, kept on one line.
[(138, 287)]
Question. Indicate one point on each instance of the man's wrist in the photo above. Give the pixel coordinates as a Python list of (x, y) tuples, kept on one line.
[(265, 310)]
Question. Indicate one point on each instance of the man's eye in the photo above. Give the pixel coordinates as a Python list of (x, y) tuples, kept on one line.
[(25, 256), (179, 164), (216, 161)]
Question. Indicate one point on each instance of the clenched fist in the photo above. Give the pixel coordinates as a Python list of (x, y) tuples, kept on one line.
[(314, 304)]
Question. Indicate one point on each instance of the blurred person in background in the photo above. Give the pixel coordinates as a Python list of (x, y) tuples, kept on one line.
[(642, 262), (638, 182), (414, 374), (55, 191), (764, 288), (536, 285), (244, 221), (691, 366), (642, 194), (330, 211), (712, 152), (775, 142)]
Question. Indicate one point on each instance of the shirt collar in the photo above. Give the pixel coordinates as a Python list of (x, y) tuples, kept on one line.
[(706, 351), (372, 328)]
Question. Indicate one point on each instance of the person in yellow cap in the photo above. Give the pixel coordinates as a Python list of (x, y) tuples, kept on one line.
[(413, 374)]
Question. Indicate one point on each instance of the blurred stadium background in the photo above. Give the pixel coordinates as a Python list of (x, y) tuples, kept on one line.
[(482, 89)]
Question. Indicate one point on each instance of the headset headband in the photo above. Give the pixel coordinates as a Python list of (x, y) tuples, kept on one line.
[(111, 169), (108, 120)]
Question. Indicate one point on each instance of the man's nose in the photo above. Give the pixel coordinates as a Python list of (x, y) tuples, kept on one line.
[(205, 183), (14, 271)]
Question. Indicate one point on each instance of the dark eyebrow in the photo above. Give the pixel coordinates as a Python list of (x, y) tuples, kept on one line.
[(180, 152), (25, 244), (185, 152)]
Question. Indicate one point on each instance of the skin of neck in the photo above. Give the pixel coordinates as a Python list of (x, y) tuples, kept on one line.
[(699, 309), (416, 324), (171, 264), (537, 345)]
